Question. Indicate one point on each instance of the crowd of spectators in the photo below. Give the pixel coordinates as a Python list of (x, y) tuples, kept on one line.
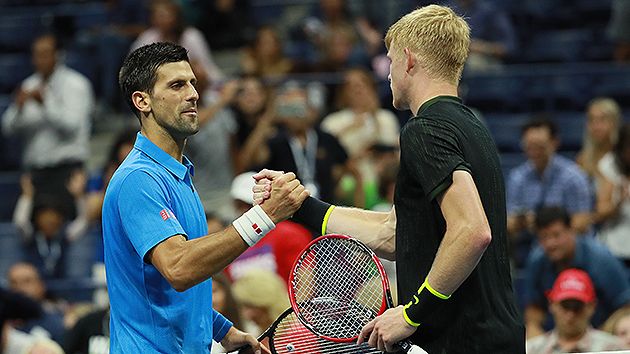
[(306, 93)]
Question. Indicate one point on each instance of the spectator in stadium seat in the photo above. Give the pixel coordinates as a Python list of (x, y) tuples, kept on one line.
[(560, 249), (613, 197), (256, 122), (265, 57), (572, 301), (51, 112), (603, 117), (316, 157), (618, 324), (45, 226), (89, 335), (545, 179), (18, 342), (25, 279), (262, 295), (360, 124), (167, 25), (493, 38)]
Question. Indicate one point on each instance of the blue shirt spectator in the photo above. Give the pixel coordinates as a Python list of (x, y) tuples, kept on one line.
[(611, 283), (560, 249), (158, 198), (562, 183), (545, 179)]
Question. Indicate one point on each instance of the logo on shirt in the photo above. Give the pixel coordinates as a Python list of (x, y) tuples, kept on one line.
[(167, 214), (257, 229)]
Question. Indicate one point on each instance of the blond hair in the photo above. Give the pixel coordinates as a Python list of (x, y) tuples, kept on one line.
[(590, 153), (438, 36), (611, 323)]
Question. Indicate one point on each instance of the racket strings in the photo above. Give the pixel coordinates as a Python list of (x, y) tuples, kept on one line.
[(292, 337), (337, 287)]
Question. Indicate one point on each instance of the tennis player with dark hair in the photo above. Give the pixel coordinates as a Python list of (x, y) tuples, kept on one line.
[(447, 230), (158, 257)]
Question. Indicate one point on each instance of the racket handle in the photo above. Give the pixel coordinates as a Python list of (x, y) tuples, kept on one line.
[(416, 350), (411, 348)]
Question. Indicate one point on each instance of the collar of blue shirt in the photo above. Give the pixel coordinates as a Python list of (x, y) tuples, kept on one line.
[(161, 157)]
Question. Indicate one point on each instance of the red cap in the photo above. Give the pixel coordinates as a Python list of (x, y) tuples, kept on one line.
[(574, 284)]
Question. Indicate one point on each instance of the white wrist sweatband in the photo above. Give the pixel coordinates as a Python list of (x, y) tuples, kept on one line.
[(253, 225)]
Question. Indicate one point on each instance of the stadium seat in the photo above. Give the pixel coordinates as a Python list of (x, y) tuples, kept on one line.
[(557, 46), (13, 69), (510, 160), (571, 127), (614, 83), (492, 93), (10, 247), (10, 191), (506, 130)]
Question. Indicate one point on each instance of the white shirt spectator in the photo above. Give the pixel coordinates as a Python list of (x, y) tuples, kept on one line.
[(615, 232), (358, 132), (58, 129)]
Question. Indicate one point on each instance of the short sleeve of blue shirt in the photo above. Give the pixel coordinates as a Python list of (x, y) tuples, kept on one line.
[(220, 326), (148, 219)]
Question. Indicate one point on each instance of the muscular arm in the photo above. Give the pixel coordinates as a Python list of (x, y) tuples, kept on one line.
[(467, 235), (185, 263), (376, 229)]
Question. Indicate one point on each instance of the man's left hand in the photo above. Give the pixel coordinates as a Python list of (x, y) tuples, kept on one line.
[(386, 330), (235, 339)]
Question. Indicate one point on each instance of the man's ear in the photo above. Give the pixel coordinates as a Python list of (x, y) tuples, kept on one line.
[(410, 60), (141, 101)]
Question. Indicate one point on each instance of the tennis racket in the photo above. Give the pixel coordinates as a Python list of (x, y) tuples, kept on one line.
[(287, 335), (337, 286)]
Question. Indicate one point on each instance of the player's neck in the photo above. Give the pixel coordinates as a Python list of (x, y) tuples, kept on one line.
[(166, 142), (429, 89)]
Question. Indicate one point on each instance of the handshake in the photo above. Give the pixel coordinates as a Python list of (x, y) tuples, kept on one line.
[(279, 194)]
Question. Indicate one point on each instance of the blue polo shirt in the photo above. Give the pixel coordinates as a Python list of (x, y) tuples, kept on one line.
[(609, 277), (150, 198)]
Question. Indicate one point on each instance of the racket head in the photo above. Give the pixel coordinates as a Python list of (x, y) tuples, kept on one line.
[(337, 285)]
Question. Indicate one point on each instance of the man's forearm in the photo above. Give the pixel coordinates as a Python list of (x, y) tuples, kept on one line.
[(376, 229), (457, 257)]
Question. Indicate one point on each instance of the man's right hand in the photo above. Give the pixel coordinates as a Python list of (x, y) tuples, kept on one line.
[(285, 194), (262, 188)]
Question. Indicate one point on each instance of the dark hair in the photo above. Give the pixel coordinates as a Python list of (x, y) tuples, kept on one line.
[(549, 215), (623, 143), (139, 70), (541, 121)]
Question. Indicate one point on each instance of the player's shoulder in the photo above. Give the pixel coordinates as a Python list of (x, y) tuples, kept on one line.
[(137, 170)]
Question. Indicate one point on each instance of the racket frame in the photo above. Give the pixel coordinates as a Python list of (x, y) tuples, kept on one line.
[(386, 299)]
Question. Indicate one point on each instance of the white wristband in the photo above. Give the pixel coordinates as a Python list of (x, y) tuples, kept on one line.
[(253, 225)]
